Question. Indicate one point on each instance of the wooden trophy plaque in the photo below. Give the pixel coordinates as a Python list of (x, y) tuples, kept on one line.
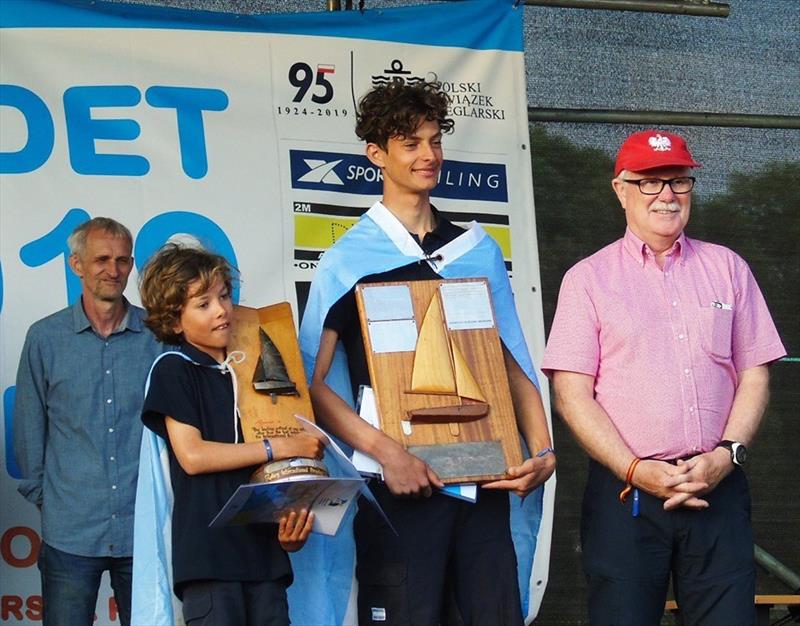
[(272, 385), (436, 365)]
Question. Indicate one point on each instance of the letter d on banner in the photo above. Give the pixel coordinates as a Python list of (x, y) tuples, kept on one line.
[(40, 129)]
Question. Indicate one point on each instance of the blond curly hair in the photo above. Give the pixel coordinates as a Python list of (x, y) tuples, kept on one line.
[(165, 280)]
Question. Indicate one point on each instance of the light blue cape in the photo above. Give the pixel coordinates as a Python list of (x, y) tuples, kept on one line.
[(376, 244), (152, 599)]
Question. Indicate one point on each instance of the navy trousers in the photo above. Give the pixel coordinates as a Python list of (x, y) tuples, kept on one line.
[(628, 560), (452, 564)]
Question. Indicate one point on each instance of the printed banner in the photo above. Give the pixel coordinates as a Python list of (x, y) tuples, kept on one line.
[(237, 131)]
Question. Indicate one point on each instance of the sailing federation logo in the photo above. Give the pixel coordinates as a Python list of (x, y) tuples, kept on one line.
[(321, 172), (338, 172), (659, 143)]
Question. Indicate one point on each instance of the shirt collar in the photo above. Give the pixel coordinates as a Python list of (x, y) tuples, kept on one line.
[(131, 321), (640, 251), (443, 231), (197, 355)]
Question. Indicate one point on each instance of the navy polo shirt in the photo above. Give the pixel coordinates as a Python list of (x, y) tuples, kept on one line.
[(202, 396), (343, 315)]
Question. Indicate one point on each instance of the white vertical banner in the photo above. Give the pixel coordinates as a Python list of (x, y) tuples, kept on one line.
[(238, 131)]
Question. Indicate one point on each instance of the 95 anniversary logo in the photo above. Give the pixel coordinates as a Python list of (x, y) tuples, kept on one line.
[(312, 88)]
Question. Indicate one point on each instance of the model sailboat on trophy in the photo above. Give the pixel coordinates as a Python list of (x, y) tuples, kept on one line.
[(270, 376), (440, 368)]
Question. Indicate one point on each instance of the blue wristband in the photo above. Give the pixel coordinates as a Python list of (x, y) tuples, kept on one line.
[(268, 448), (545, 451)]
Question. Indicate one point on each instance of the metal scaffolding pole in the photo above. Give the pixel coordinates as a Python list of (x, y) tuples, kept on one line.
[(777, 569), (701, 8), (669, 118)]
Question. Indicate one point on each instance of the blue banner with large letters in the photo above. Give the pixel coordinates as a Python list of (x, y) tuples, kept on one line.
[(237, 131)]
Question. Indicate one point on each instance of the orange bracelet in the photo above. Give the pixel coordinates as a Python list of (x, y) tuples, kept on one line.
[(623, 495)]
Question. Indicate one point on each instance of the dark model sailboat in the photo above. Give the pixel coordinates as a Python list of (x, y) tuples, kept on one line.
[(270, 375)]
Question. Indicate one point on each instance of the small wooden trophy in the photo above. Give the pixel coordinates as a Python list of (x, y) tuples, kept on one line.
[(272, 386), (436, 365)]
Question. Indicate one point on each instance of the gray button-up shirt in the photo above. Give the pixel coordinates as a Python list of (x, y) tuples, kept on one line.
[(77, 428)]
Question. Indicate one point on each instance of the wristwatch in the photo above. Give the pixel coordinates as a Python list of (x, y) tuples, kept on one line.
[(738, 451)]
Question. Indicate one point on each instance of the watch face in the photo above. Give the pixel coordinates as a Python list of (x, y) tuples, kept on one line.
[(739, 454)]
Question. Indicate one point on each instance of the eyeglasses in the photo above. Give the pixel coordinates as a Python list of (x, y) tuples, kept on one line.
[(654, 186)]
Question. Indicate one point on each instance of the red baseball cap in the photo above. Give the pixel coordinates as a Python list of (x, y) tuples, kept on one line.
[(650, 149)]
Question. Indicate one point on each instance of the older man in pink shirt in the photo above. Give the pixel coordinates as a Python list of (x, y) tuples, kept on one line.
[(658, 353)]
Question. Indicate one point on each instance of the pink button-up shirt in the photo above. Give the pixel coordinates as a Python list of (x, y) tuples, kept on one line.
[(664, 345)]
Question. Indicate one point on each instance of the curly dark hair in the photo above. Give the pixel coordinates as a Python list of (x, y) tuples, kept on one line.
[(397, 110), (164, 284)]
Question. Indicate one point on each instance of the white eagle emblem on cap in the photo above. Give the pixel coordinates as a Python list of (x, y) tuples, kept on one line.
[(659, 143)]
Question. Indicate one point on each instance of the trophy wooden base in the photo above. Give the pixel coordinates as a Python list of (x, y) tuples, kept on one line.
[(297, 467)]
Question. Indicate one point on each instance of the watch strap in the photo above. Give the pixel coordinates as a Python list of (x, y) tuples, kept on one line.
[(733, 448)]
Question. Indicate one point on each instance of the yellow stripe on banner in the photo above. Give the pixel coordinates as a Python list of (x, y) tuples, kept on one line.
[(320, 232), (502, 235)]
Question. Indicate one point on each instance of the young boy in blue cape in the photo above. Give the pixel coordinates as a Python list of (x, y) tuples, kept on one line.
[(228, 576), (452, 561)]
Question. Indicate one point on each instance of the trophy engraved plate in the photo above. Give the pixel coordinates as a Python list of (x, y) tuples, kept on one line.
[(437, 368), (470, 460), (272, 386)]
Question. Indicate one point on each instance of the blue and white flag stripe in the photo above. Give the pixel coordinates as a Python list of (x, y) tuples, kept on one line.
[(475, 24)]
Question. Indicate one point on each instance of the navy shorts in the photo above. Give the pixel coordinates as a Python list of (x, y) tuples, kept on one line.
[(233, 603)]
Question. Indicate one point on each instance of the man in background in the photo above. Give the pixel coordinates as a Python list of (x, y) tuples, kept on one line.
[(77, 429)]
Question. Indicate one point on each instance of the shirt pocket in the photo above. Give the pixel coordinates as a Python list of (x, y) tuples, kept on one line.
[(716, 328)]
